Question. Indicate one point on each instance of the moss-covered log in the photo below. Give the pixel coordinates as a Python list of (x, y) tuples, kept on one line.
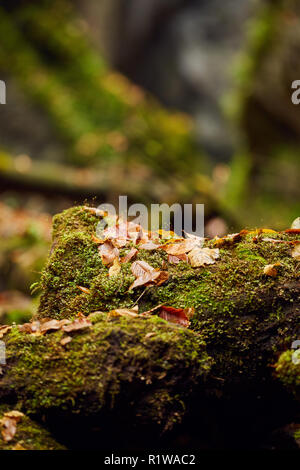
[(120, 372), (244, 315), (132, 370)]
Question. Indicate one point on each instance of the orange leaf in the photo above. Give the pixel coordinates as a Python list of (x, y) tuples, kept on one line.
[(108, 253), (176, 315), (131, 254), (84, 289)]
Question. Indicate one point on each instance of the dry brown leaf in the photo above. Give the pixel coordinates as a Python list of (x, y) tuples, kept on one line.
[(85, 290), (149, 245), (115, 269), (176, 315), (97, 240), (108, 253), (9, 428), (52, 325), (78, 324), (146, 274), (124, 312), (3, 330), (97, 212), (9, 424), (180, 248), (270, 269), (163, 277), (31, 327), (14, 414), (203, 256), (296, 252), (176, 259), (131, 254), (65, 340)]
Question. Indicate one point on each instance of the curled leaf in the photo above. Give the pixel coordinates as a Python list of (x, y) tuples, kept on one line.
[(65, 340), (115, 269), (4, 329), (84, 289), (78, 324), (108, 253), (180, 248), (9, 424), (176, 315), (176, 259), (270, 269), (131, 254), (296, 252), (146, 274), (149, 245), (202, 256)]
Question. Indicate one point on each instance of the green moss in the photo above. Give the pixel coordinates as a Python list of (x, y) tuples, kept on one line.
[(117, 359), (288, 371), (29, 435), (234, 300)]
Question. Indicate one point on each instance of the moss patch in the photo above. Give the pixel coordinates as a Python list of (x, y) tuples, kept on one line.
[(29, 435), (145, 365)]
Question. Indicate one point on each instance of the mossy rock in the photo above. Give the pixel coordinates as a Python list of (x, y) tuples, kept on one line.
[(235, 302), (29, 435), (143, 366)]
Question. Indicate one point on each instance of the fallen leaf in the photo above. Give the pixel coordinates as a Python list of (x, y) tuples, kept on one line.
[(84, 289), (296, 224), (163, 277), (295, 231), (9, 424), (296, 252), (176, 315), (9, 428), (65, 340), (108, 253), (97, 212), (179, 248), (270, 269), (202, 256), (52, 325), (97, 240), (124, 312), (77, 324), (230, 239), (131, 254), (146, 274), (4, 329), (115, 269), (14, 414), (196, 238), (148, 246), (176, 259), (31, 327)]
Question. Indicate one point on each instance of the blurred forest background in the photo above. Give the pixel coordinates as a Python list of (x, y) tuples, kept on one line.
[(163, 100)]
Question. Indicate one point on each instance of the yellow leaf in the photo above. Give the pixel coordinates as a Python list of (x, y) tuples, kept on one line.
[(296, 252), (115, 269), (202, 256)]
